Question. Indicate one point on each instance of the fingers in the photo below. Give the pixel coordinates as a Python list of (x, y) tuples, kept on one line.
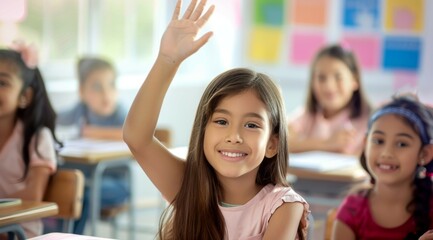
[(205, 17), (189, 10), (201, 41), (198, 11), (177, 10)]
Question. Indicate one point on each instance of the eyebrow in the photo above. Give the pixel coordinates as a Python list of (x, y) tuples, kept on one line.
[(3, 74), (250, 114), (399, 134)]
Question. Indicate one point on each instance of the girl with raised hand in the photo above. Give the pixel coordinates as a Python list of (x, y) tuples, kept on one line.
[(398, 156), (233, 182), (27, 123)]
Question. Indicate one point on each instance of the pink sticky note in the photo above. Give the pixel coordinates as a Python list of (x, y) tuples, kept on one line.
[(366, 50), (12, 10), (304, 47)]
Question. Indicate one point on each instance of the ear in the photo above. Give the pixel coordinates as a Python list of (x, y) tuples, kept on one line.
[(25, 98), (426, 153), (272, 147)]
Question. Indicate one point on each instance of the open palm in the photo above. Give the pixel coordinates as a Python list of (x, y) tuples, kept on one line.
[(179, 39)]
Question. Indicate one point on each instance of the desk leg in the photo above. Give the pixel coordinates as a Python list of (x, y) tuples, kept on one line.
[(131, 208), (95, 197)]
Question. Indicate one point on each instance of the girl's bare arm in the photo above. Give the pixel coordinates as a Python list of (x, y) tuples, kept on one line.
[(178, 42), (342, 231)]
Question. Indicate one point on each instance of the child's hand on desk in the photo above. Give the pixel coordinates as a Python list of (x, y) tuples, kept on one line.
[(341, 140)]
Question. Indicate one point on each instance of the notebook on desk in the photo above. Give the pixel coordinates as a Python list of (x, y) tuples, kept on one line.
[(322, 161), (92, 148)]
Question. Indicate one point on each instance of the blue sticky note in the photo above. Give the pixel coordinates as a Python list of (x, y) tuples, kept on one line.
[(362, 14), (401, 53)]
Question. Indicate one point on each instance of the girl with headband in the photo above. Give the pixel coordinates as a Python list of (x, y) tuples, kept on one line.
[(398, 156)]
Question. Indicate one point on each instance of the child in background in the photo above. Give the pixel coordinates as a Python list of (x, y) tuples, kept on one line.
[(98, 114), (27, 123), (336, 112), (233, 182), (398, 156)]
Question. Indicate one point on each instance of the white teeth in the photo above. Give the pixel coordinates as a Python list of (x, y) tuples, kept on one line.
[(233, 155), (387, 166)]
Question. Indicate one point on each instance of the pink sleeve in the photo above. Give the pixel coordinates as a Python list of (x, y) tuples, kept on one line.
[(291, 196), (46, 156)]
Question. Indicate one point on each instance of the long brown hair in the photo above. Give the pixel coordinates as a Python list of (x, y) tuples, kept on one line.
[(194, 213), (358, 103)]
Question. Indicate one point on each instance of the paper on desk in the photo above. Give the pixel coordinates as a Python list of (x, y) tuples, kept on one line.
[(87, 146), (66, 236), (322, 161)]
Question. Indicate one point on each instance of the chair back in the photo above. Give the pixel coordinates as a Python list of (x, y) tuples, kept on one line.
[(66, 188), (330, 218)]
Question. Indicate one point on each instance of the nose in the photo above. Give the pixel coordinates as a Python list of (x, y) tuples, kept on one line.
[(386, 151), (234, 136)]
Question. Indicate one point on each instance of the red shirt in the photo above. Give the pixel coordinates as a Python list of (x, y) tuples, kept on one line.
[(355, 213)]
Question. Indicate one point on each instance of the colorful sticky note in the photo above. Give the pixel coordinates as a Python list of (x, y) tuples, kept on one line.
[(405, 81), (366, 50), (310, 12), (361, 14), (265, 45), (268, 12), (401, 53), (304, 47), (404, 15), (13, 11)]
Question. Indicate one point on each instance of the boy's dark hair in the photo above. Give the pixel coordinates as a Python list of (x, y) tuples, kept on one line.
[(39, 113), (86, 65)]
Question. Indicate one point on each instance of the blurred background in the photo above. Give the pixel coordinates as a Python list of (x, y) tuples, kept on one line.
[(393, 40)]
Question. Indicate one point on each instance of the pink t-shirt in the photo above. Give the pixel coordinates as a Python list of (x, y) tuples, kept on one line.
[(355, 213), (250, 220), (309, 126), (12, 166)]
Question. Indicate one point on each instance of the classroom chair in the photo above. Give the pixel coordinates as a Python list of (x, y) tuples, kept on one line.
[(330, 218), (66, 188)]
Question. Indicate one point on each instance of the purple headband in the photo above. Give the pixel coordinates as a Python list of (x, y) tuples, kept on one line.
[(411, 116)]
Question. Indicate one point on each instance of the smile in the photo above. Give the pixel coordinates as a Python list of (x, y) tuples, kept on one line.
[(387, 166), (232, 154)]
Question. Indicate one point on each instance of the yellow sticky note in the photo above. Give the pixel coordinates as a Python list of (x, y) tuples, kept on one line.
[(406, 15), (265, 44)]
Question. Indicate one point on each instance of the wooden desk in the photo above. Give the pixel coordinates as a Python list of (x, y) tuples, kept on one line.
[(11, 216), (99, 155)]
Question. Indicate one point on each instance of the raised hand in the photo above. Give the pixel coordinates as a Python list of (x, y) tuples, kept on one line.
[(180, 38)]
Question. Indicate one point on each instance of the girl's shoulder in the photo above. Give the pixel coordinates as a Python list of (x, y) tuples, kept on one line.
[(278, 195), (354, 206)]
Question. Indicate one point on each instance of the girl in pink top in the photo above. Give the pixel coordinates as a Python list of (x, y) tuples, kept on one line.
[(336, 112), (27, 153), (233, 182), (398, 156)]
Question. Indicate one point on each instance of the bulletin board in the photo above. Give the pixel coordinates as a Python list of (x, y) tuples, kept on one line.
[(392, 39)]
